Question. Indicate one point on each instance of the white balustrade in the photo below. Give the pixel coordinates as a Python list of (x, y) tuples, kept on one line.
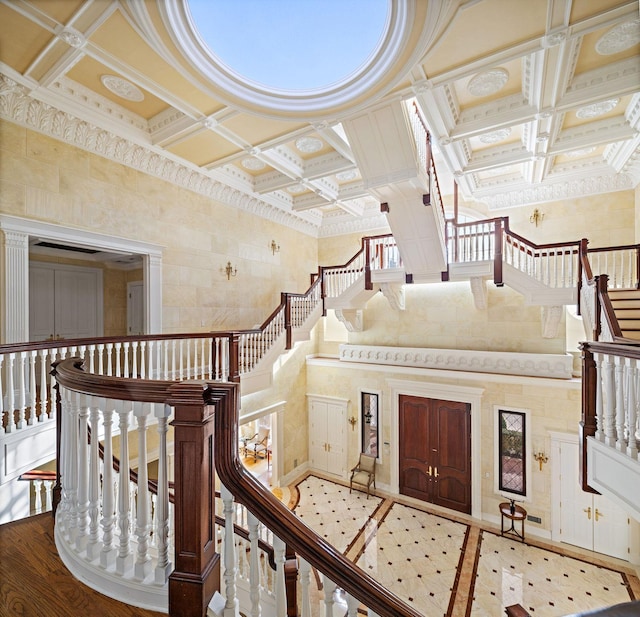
[(619, 265)]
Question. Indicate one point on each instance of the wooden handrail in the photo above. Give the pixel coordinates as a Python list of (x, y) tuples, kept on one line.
[(288, 527)]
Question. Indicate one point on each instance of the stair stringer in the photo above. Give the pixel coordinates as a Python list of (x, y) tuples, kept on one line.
[(536, 293), (355, 296), (261, 376)]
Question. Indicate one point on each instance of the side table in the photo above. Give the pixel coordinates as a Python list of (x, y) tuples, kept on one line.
[(513, 513)]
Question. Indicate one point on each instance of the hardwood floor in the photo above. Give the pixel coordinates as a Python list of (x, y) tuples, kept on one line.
[(34, 582)]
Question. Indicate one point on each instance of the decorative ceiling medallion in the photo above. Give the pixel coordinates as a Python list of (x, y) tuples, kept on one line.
[(596, 109), (308, 145), (122, 88), (619, 38), (345, 176), (488, 82), (581, 152), (495, 136), (73, 38), (296, 189), (253, 164)]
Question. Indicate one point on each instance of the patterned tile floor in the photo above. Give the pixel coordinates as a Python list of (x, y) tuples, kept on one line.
[(453, 567)]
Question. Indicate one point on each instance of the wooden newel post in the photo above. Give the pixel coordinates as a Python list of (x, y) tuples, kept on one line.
[(56, 495), (196, 576), (587, 426)]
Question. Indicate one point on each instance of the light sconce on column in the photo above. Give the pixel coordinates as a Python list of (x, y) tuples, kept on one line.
[(537, 217), (541, 457), (352, 420), (229, 270), (275, 247)]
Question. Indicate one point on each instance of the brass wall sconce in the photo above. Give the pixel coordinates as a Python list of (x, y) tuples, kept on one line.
[(352, 420), (275, 247), (229, 270), (537, 217), (541, 457)]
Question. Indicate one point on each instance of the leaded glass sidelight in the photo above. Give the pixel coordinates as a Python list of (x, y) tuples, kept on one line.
[(512, 452)]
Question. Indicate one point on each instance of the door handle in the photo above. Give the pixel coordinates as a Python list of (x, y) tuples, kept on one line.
[(429, 472), (588, 511), (598, 514), (435, 472)]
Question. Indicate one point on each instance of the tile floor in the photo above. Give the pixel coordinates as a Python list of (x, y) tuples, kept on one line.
[(455, 568)]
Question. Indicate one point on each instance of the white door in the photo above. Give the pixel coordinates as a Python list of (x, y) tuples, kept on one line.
[(327, 421), (64, 302), (587, 520), (135, 308)]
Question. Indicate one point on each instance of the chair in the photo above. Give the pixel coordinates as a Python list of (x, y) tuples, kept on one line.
[(259, 443), (364, 473)]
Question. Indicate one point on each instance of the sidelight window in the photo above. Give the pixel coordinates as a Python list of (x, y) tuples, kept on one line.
[(370, 423), (512, 451)]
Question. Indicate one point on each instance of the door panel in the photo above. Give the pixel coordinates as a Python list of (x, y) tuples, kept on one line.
[(335, 437), (41, 304), (435, 451), (453, 484)]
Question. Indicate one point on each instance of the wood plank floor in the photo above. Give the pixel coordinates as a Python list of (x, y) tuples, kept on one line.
[(34, 582)]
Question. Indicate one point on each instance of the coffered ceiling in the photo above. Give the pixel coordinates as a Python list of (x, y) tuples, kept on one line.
[(527, 101)]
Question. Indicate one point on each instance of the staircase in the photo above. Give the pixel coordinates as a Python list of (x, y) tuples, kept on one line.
[(626, 305)]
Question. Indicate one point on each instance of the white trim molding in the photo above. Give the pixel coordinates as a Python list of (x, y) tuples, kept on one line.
[(557, 366)]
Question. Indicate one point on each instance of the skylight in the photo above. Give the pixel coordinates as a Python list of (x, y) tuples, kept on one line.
[(292, 45)]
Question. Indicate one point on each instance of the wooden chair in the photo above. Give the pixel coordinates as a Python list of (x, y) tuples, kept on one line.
[(259, 443), (364, 473)]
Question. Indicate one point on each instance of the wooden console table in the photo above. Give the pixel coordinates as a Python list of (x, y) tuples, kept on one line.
[(512, 512)]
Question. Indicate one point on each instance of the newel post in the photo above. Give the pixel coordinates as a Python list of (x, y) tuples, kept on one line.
[(196, 576), (497, 257), (587, 426), (367, 263), (56, 494), (286, 299)]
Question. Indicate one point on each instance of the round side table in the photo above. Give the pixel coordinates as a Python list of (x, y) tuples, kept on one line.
[(512, 513)]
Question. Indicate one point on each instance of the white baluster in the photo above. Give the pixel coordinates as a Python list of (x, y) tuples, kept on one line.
[(134, 359), (143, 561), (254, 566), (2, 409), (125, 357), (230, 568), (609, 402), (632, 412), (44, 371), (118, 359), (124, 558), (163, 566), (109, 358), (94, 546), (599, 398), (37, 492), (48, 494), (71, 448), (621, 442), (280, 585), (100, 350), (83, 472), (22, 399), (143, 368), (107, 522), (329, 588), (91, 358), (304, 574), (352, 606), (31, 359)]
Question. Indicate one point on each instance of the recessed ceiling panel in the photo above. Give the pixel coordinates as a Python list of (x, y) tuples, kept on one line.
[(477, 32), (601, 110), (90, 73), (26, 42), (62, 12), (204, 148), (603, 46), (257, 130)]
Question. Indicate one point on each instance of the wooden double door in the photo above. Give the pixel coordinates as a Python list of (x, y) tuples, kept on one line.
[(435, 451)]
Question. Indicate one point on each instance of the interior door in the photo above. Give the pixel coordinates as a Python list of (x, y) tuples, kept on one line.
[(64, 302), (435, 451), (135, 308), (588, 520), (326, 436)]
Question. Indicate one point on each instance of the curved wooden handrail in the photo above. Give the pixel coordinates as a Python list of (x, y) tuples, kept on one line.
[(288, 527)]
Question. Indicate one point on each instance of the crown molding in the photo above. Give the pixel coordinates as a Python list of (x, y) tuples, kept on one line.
[(17, 106)]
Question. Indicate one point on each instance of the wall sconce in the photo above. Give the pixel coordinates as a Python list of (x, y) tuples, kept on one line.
[(541, 457), (536, 217), (229, 270), (275, 248), (352, 420)]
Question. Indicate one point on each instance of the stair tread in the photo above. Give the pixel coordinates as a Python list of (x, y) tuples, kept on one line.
[(624, 294), (623, 304)]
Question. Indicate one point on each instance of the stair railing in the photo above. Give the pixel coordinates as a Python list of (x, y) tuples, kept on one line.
[(610, 399), (94, 528)]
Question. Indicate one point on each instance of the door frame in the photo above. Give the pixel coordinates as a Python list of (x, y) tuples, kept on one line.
[(447, 392), (15, 274)]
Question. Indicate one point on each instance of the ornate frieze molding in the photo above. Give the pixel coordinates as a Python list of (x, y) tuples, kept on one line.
[(557, 366), (18, 107)]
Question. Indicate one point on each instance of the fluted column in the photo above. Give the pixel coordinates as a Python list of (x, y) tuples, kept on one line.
[(16, 286)]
